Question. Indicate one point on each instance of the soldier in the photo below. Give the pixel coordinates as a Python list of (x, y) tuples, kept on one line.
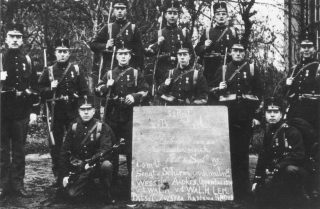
[(279, 171), (240, 89), (124, 88), (111, 36), (184, 85), (303, 85), (86, 153), (18, 96), (168, 41), (61, 85), (215, 43)]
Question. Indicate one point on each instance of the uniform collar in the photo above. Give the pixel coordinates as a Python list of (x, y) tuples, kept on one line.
[(14, 52), (121, 21), (171, 27), (184, 69), (62, 64), (88, 123), (308, 60), (122, 68), (236, 63)]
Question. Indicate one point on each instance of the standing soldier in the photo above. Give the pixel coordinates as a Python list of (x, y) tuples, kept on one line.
[(112, 34), (215, 43), (86, 153), (18, 96), (184, 85), (168, 42), (240, 89), (303, 85), (279, 172), (123, 88), (61, 85)]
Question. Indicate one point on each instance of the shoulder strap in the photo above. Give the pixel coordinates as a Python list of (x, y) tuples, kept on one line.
[(29, 62), (184, 32), (195, 77), (123, 29), (135, 73), (251, 66), (223, 33), (170, 73), (65, 73), (318, 72), (181, 75), (76, 67), (122, 73), (98, 130), (233, 31), (74, 128)]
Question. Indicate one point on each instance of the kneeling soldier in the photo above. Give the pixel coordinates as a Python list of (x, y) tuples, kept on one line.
[(280, 172), (86, 153), (184, 85)]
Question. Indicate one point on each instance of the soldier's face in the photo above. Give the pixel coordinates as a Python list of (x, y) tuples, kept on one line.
[(123, 58), (273, 115), (221, 17), (62, 54), (86, 114), (307, 50), (14, 41), (183, 59), (237, 54), (172, 16), (120, 12)]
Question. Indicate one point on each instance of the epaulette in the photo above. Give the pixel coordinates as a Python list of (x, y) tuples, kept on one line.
[(29, 62), (195, 76), (251, 66), (233, 31), (135, 74), (76, 68)]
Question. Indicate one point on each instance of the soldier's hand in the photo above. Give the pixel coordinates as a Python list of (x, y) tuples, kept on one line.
[(167, 81), (110, 43), (4, 75), (54, 84), (160, 40), (222, 85), (65, 181), (33, 119), (129, 99), (149, 49), (289, 81), (292, 169), (207, 43), (199, 101), (254, 187), (255, 123), (110, 82)]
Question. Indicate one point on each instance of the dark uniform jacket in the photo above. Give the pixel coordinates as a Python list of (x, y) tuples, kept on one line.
[(305, 84), (212, 57), (96, 144), (242, 91), (73, 85), (282, 146), (130, 36), (22, 78), (127, 80), (173, 36), (186, 85)]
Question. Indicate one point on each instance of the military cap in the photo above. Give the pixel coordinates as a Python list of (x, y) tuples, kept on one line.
[(122, 47), (120, 3), (15, 29), (307, 38), (220, 7), (273, 103), (171, 5), (85, 102), (184, 47), (62, 43), (238, 45)]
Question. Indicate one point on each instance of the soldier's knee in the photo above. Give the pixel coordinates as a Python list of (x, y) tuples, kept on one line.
[(106, 166)]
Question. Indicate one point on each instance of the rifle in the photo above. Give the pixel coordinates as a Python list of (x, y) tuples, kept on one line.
[(50, 118), (83, 168), (156, 62), (1, 70)]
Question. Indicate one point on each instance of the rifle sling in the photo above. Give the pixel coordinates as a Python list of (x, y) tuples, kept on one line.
[(181, 75), (123, 29), (64, 73), (121, 74), (221, 36), (236, 72), (84, 141)]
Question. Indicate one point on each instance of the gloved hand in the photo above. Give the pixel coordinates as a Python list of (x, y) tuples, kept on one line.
[(222, 85), (110, 43), (33, 119), (129, 99), (289, 81), (207, 43)]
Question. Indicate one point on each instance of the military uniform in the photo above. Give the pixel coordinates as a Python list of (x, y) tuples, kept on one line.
[(127, 81), (212, 57), (305, 85), (187, 86), (18, 96), (72, 85), (242, 98), (85, 141), (283, 148)]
